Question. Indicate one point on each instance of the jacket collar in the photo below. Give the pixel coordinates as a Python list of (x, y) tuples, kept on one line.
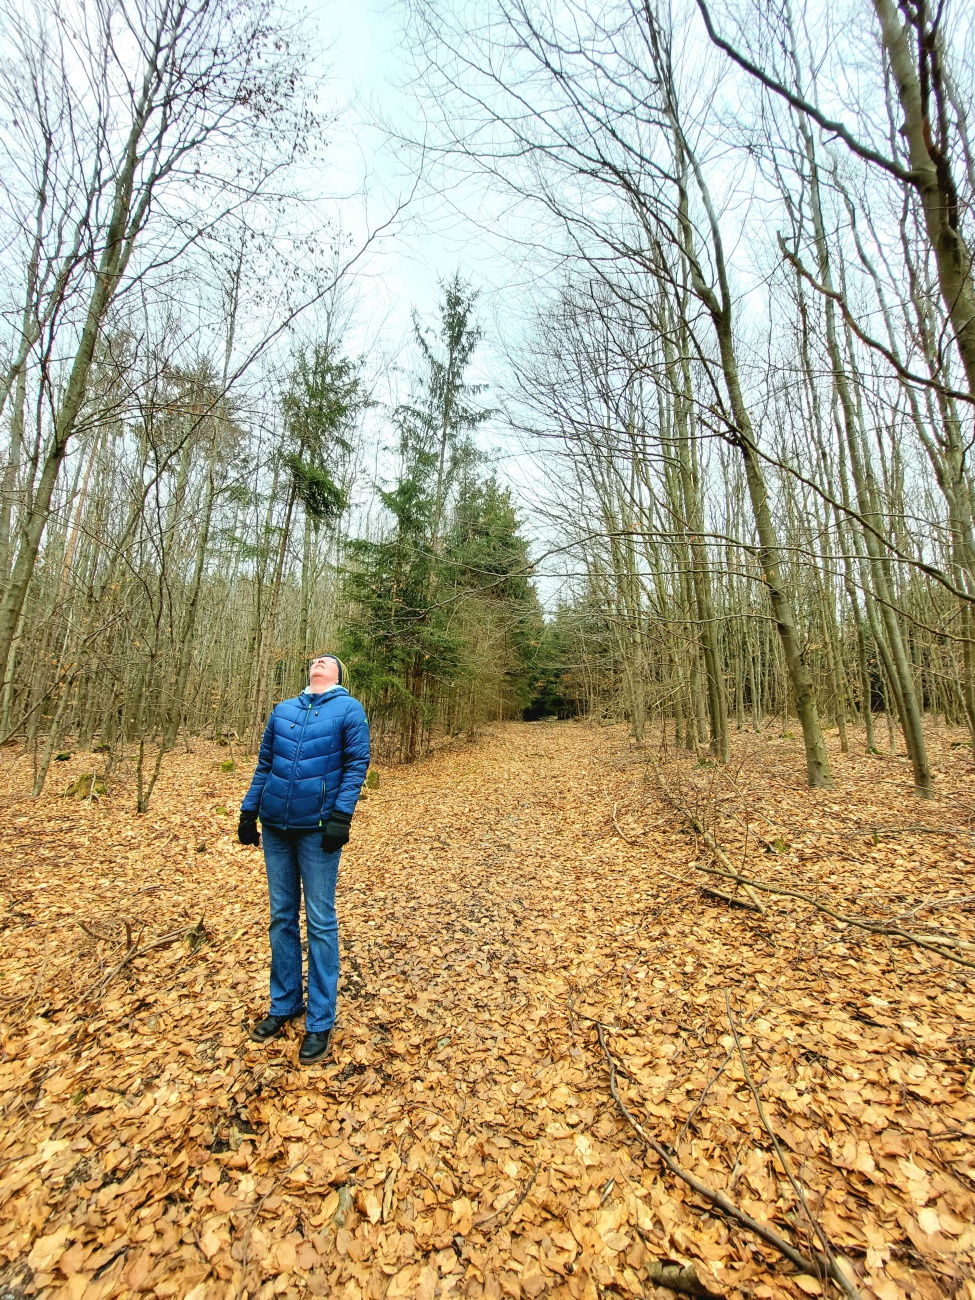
[(307, 696)]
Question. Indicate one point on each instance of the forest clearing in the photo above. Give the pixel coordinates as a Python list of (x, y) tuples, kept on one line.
[(515, 913)]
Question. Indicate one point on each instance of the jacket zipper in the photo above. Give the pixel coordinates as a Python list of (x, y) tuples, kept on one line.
[(294, 766)]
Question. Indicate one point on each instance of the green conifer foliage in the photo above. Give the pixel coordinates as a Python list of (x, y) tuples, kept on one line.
[(486, 562), (324, 397), (554, 691), (442, 611), (320, 408)]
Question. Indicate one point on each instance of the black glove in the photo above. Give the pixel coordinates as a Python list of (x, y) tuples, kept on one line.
[(336, 832), (247, 832)]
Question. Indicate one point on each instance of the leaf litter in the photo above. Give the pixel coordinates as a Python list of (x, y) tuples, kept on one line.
[(501, 906)]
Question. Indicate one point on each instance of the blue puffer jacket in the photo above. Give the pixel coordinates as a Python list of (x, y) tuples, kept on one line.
[(314, 758)]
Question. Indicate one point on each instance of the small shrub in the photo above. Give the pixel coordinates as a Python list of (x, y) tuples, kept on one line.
[(197, 935)]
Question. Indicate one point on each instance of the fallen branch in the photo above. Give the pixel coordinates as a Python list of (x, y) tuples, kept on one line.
[(942, 944), (835, 1271), (389, 1195), (508, 1211), (677, 1277), (816, 1267), (730, 898), (625, 838), (135, 950), (103, 938), (708, 839), (524, 1193)]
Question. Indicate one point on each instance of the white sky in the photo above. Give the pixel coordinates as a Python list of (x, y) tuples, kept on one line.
[(368, 69)]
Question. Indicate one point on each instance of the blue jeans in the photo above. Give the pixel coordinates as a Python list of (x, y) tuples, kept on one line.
[(296, 862)]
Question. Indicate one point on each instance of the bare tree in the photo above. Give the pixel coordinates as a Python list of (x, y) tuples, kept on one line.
[(123, 109)]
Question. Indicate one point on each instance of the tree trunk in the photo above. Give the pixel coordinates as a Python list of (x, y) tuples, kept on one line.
[(930, 167)]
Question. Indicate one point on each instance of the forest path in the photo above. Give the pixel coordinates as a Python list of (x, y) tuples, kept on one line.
[(463, 1141)]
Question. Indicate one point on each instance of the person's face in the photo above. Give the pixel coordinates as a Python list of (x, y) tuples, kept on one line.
[(323, 673)]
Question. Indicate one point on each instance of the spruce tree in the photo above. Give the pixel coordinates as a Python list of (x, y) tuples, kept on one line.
[(398, 641), (442, 609), (486, 563), (321, 405)]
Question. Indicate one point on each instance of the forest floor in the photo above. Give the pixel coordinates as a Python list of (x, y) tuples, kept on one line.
[(499, 903)]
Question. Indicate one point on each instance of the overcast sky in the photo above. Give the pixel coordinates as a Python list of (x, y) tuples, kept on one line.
[(369, 69)]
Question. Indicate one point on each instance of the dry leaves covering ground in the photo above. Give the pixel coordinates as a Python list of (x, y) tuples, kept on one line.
[(463, 1141)]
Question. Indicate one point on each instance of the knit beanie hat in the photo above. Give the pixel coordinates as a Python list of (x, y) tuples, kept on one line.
[(336, 660)]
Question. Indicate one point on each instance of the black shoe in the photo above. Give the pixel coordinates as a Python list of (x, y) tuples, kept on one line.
[(314, 1047), (270, 1027)]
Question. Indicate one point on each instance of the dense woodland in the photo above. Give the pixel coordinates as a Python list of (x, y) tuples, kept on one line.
[(747, 385)]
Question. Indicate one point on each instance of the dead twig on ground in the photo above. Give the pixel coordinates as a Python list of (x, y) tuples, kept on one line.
[(530, 1183), (944, 945), (835, 1269), (508, 1211), (730, 898), (759, 1010), (135, 950), (625, 838), (941, 945), (389, 1195), (709, 889), (103, 938), (682, 1278), (756, 903), (252, 1219), (812, 1267)]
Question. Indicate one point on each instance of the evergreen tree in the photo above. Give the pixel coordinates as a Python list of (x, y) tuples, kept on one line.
[(435, 426), (397, 646), (324, 397), (320, 407), (556, 686), (486, 561), (441, 604)]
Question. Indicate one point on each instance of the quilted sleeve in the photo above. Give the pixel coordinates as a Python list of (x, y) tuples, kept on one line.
[(252, 799), (355, 757)]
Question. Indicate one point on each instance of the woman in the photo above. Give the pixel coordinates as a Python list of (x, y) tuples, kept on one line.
[(313, 761)]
